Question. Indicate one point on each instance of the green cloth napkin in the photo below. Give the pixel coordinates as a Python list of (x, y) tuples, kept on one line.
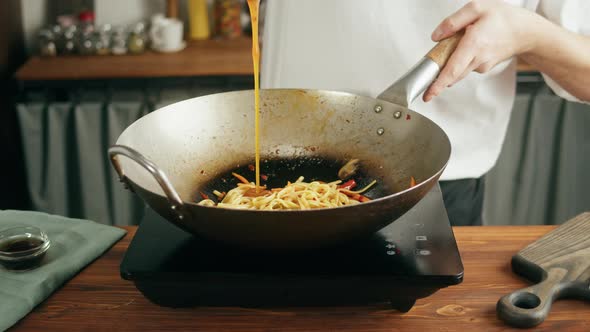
[(74, 244)]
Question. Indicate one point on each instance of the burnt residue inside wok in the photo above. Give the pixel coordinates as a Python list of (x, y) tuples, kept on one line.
[(275, 173)]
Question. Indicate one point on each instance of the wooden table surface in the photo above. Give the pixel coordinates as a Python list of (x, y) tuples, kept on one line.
[(200, 58), (98, 299)]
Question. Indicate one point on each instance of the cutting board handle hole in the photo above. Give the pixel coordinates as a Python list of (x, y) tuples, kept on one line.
[(526, 300)]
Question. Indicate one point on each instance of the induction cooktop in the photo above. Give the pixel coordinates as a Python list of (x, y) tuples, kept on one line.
[(410, 259)]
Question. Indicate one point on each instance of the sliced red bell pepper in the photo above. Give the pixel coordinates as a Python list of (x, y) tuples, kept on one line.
[(348, 185)]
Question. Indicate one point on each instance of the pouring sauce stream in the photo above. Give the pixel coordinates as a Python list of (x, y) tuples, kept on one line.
[(253, 6)]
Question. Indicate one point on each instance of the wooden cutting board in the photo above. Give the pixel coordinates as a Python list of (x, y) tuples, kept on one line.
[(558, 264)]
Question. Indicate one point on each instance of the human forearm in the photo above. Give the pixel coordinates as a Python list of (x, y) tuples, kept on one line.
[(562, 55), (496, 31)]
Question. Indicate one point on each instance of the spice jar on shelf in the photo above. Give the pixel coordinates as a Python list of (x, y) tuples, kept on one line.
[(137, 39), (66, 21), (119, 42), (87, 43), (66, 39), (103, 40), (86, 21), (87, 38), (47, 46), (228, 18)]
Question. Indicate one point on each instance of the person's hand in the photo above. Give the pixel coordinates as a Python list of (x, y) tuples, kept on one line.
[(494, 32)]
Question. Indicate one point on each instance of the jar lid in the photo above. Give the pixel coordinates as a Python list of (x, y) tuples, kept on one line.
[(105, 28), (138, 28), (86, 16), (46, 33)]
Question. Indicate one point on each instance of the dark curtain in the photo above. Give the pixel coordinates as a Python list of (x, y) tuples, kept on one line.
[(541, 176), (543, 173), (12, 177), (67, 131)]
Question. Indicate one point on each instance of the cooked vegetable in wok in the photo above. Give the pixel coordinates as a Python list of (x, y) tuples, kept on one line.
[(295, 195)]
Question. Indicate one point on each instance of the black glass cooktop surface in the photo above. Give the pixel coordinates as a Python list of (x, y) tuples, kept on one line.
[(411, 258)]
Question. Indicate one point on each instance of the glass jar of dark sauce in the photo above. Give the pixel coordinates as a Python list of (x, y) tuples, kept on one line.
[(22, 248)]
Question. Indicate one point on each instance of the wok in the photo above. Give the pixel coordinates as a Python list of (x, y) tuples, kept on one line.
[(176, 152)]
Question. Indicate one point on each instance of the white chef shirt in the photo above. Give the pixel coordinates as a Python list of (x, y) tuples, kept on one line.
[(362, 46)]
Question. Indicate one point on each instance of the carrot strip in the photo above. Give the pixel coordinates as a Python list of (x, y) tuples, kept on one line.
[(364, 198), (203, 195), (412, 182), (241, 178)]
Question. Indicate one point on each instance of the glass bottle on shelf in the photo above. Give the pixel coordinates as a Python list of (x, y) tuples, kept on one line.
[(198, 19)]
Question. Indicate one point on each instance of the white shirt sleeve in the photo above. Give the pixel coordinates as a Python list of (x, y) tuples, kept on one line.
[(573, 15)]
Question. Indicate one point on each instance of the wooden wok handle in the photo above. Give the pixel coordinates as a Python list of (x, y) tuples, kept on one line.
[(442, 51)]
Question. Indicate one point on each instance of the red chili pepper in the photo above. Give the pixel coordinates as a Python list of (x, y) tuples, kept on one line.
[(264, 177), (203, 195), (348, 185), (251, 167)]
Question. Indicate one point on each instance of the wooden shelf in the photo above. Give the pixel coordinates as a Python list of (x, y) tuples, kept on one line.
[(200, 58)]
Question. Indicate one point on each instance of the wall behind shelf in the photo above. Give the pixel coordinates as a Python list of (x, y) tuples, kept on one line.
[(122, 13)]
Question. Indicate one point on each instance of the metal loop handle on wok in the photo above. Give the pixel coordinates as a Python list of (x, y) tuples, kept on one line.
[(173, 197)]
